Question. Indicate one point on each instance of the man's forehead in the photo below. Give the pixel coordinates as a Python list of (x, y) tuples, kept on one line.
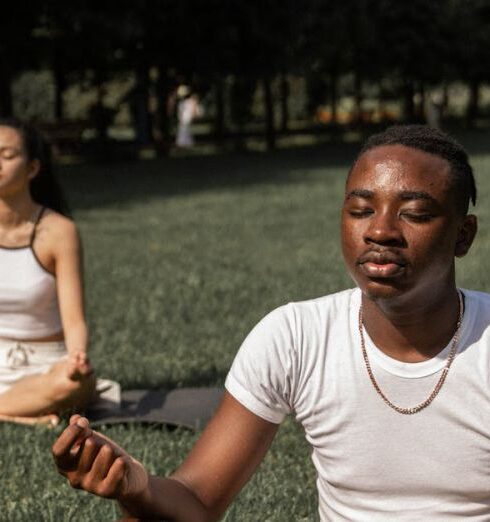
[(397, 166)]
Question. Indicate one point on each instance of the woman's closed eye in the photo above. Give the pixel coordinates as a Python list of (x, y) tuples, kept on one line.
[(9, 152)]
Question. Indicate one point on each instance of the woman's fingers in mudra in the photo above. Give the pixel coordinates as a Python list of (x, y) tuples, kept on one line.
[(88, 460), (79, 366)]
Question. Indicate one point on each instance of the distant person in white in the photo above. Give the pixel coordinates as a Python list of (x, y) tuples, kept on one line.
[(435, 108), (188, 109), (390, 380)]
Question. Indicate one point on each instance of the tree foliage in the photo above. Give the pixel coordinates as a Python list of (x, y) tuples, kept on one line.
[(408, 45)]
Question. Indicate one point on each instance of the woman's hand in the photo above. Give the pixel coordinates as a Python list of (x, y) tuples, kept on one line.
[(80, 365), (94, 463)]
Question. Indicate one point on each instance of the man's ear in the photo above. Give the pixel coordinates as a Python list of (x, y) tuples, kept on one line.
[(466, 235), (34, 166)]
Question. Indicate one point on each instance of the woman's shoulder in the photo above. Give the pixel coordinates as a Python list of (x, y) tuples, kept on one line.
[(56, 229)]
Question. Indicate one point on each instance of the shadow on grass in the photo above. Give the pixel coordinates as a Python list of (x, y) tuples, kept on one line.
[(105, 184), (205, 377)]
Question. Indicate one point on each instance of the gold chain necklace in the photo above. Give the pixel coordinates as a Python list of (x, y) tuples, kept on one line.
[(440, 382)]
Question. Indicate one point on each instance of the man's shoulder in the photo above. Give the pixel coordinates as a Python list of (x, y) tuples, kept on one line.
[(477, 297), (336, 304), (343, 298), (311, 315), (477, 304)]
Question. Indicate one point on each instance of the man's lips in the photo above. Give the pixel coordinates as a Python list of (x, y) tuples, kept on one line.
[(382, 264)]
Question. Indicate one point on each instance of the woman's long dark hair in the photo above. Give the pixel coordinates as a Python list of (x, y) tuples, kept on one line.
[(45, 188)]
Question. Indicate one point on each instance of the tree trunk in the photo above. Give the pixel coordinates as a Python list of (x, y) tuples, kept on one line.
[(381, 103), (100, 114), (219, 120), (6, 99), (408, 102), (162, 123), (284, 102), (270, 135), (445, 96), (138, 102), (472, 108), (421, 99), (333, 93), (358, 119), (59, 86), (359, 28)]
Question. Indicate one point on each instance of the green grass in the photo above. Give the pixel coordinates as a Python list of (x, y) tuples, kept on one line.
[(183, 257)]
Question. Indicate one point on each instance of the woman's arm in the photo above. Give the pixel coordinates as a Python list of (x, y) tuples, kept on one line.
[(67, 250), (222, 461)]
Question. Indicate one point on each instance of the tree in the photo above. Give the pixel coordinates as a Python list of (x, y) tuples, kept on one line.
[(16, 49), (470, 54), (412, 43)]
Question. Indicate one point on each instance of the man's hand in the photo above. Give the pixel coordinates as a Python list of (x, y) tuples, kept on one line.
[(227, 453), (92, 462)]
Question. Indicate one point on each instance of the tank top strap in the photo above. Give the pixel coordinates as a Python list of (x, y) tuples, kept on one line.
[(33, 233)]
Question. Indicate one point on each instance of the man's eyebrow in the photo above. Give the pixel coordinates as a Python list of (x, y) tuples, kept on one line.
[(415, 194), (405, 195), (360, 193)]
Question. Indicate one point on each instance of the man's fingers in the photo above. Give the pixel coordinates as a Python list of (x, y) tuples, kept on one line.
[(91, 461), (72, 436), (74, 418), (113, 483), (103, 462), (88, 453), (66, 440)]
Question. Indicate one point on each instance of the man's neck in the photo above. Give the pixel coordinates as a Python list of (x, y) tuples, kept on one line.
[(412, 333)]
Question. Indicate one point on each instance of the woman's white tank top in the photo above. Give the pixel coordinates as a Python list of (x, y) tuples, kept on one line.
[(28, 299)]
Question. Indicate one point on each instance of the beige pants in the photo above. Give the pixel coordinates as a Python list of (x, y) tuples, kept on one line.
[(20, 359)]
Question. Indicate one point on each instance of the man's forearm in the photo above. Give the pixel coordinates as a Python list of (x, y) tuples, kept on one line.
[(166, 499)]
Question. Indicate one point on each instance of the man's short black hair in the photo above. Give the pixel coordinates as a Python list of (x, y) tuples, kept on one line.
[(433, 141)]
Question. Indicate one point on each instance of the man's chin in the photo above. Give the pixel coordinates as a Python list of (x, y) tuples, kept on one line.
[(382, 288)]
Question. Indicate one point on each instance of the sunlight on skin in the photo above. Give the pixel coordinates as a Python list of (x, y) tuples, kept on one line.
[(51, 421), (392, 173)]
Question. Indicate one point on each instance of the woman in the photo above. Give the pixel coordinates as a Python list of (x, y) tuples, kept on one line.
[(188, 109), (44, 368)]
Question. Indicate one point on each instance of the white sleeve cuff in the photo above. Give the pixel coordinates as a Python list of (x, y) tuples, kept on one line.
[(247, 399)]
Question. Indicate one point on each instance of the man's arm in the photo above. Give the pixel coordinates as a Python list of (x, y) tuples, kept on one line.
[(223, 459)]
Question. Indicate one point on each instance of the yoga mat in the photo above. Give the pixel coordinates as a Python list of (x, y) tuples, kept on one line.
[(188, 407)]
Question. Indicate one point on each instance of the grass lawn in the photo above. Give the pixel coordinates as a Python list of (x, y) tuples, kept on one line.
[(183, 257)]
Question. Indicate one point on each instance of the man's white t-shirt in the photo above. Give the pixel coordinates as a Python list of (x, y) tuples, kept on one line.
[(373, 463)]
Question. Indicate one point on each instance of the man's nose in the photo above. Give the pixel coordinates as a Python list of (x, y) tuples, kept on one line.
[(384, 229)]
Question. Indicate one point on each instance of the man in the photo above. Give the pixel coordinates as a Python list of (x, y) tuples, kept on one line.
[(389, 380)]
